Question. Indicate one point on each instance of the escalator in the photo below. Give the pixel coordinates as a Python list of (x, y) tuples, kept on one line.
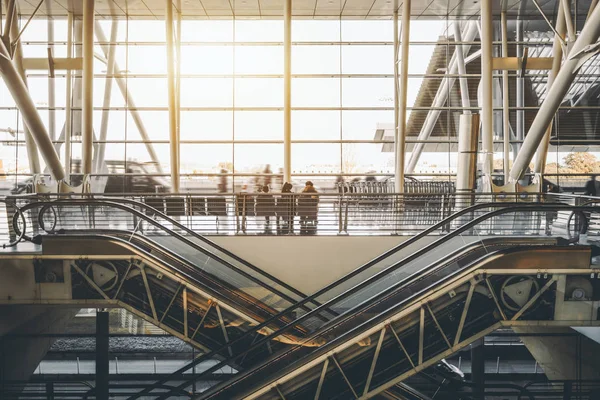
[(324, 338)]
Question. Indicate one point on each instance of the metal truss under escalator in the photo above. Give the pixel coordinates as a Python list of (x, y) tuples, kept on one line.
[(417, 328)]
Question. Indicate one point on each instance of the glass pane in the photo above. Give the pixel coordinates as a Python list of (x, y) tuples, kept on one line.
[(252, 158), (217, 60), (315, 125), (205, 158), (206, 125), (316, 59), (368, 92), (259, 92), (315, 158), (259, 125), (305, 90), (368, 59), (206, 92), (259, 60)]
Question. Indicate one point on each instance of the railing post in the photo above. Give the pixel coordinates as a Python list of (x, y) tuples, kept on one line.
[(567, 389)]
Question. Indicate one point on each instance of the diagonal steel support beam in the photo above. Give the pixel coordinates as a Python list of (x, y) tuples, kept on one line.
[(322, 378), (149, 293), (135, 115), (557, 52), (532, 301), (469, 34), (110, 68), (18, 89), (463, 316), (374, 362), (339, 367), (583, 49), (32, 152)]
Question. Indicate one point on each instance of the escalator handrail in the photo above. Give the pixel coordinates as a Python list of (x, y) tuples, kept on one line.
[(109, 203), (501, 209)]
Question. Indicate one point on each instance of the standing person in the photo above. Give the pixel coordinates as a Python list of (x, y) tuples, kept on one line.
[(265, 207), (285, 210), (308, 205), (267, 175), (222, 186), (242, 204), (591, 187)]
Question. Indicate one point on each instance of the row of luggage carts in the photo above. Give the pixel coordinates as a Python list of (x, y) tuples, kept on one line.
[(370, 203)]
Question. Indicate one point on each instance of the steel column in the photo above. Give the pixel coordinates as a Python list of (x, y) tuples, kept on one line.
[(173, 137), (69, 99), (122, 84), (440, 98), (51, 82), (487, 112), (32, 152), (478, 369), (87, 124), (579, 53), (557, 53), (30, 114), (398, 185), (287, 90), (520, 92), (102, 335), (467, 156), (465, 101), (110, 69), (505, 101), (402, 92)]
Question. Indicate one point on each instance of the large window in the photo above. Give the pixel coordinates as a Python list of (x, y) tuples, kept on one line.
[(231, 97)]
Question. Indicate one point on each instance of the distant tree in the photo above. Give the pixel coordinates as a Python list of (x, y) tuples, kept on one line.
[(582, 163)]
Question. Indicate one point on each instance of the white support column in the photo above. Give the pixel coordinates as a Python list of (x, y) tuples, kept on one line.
[(487, 113), (398, 185), (69, 99), (173, 137), (462, 69), (402, 91), (469, 34), (541, 154), (32, 151), (520, 131), (287, 90), (87, 125), (29, 112), (505, 102), (110, 70), (51, 81), (579, 53), (566, 11)]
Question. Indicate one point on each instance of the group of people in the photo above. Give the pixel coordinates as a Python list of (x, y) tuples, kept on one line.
[(282, 209)]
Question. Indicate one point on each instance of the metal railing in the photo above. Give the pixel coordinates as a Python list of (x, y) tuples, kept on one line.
[(279, 214)]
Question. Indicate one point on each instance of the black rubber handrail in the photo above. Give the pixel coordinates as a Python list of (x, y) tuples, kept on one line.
[(503, 208), (133, 211)]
